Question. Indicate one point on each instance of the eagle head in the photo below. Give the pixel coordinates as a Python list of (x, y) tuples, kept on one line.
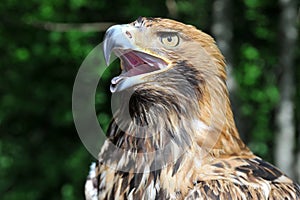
[(173, 82), (152, 46)]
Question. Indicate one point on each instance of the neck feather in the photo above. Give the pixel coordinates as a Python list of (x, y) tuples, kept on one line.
[(174, 116)]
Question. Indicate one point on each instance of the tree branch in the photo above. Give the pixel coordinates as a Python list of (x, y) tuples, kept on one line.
[(65, 27)]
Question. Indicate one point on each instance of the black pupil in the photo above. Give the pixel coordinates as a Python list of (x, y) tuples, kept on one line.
[(169, 38)]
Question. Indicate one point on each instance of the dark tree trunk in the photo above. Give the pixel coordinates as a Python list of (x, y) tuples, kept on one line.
[(285, 157), (222, 30)]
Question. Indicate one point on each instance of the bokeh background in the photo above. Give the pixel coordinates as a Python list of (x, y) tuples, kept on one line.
[(43, 44)]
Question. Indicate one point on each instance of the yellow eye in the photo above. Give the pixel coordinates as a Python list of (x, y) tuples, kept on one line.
[(169, 39)]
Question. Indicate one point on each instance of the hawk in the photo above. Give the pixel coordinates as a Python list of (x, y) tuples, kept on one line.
[(173, 135)]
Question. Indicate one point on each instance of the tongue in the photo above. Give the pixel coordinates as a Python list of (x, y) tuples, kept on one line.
[(140, 69), (134, 59), (136, 63), (131, 60)]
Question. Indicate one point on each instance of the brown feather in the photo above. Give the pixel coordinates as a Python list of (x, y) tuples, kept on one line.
[(186, 105)]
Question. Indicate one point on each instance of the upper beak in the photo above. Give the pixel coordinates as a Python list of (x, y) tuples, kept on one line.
[(117, 36)]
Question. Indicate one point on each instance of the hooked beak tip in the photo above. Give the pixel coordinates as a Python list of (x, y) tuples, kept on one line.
[(115, 37), (106, 52), (109, 44)]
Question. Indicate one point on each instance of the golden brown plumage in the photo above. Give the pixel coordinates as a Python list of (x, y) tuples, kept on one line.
[(174, 127)]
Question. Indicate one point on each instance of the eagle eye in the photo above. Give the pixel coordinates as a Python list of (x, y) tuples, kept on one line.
[(169, 39)]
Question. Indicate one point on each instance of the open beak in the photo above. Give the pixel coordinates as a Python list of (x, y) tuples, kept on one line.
[(135, 62)]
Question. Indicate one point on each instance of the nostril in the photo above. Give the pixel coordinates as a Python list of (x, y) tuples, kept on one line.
[(128, 34)]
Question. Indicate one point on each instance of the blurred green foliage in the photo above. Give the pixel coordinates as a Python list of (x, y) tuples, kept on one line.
[(41, 156)]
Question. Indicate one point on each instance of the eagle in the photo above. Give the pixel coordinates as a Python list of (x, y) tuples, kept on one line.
[(173, 134)]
